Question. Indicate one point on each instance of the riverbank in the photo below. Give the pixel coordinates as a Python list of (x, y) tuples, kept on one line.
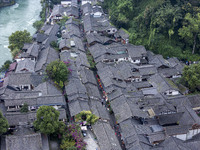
[(10, 3), (12, 21)]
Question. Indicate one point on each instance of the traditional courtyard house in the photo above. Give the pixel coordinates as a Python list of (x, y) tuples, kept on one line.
[(26, 46), (195, 102), (82, 61), (24, 139), (73, 21), (99, 25), (96, 11), (21, 81), (159, 62), (66, 44), (52, 35), (72, 12), (147, 70), (33, 51), (106, 136), (132, 129), (182, 125), (170, 73), (137, 54), (77, 97), (46, 56), (121, 36), (109, 53), (70, 31), (72, 44), (25, 65), (163, 85), (57, 14), (86, 9), (94, 38), (40, 37)]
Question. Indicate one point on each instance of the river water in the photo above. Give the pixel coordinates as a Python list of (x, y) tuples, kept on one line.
[(20, 16)]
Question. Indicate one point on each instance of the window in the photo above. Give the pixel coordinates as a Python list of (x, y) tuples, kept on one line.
[(26, 88), (11, 107)]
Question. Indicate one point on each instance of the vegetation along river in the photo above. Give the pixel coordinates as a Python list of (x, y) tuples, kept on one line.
[(20, 16)]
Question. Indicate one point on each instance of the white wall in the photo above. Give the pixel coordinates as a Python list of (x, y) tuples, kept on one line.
[(65, 3), (189, 135), (172, 92)]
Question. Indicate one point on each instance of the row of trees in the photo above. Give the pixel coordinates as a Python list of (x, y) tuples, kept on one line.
[(170, 28)]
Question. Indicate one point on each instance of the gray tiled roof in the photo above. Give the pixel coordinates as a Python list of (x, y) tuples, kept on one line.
[(33, 50), (160, 83), (75, 86), (106, 136), (76, 106), (99, 110), (159, 61), (87, 76), (136, 51), (23, 142), (25, 65), (48, 88), (19, 78), (46, 56)]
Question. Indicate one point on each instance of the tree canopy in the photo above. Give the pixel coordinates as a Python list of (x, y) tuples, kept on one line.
[(167, 27), (18, 39), (87, 116), (47, 120), (72, 138), (24, 108), (38, 24), (58, 71), (5, 66), (3, 124), (191, 77)]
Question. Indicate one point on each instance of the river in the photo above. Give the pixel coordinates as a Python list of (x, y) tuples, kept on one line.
[(20, 16)]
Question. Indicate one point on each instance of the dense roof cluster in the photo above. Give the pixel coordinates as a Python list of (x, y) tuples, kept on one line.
[(149, 109)]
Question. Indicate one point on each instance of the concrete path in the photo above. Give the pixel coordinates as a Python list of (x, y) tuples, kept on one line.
[(91, 142), (2, 143), (45, 142)]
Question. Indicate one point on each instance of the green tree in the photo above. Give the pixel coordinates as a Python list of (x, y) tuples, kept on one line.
[(156, 25), (68, 145), (58, 72), (3, 124), (18, 39), (190, 31), (191, 77), (5, 66), (38, 24), (63, 20), (54, 44), (24, 108), (47, 120), (15, 52), (87, 116)]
